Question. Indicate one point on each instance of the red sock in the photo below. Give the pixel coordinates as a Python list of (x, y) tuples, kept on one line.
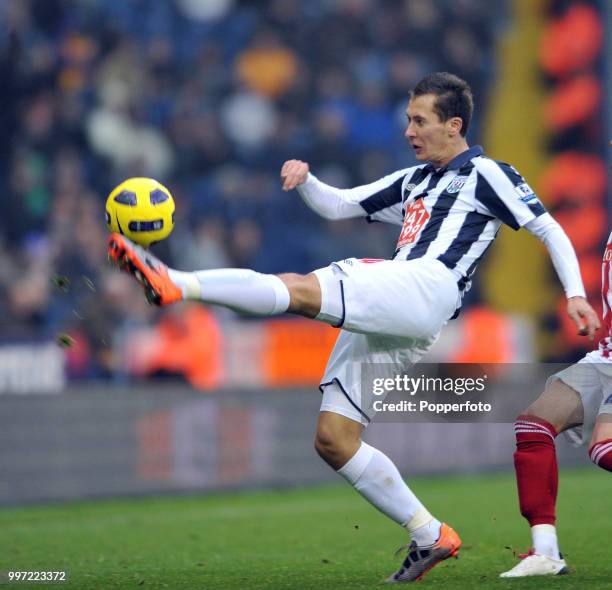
[(601, 454), (537, 475)]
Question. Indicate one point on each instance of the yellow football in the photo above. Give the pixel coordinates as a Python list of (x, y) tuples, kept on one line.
[(141, 209)]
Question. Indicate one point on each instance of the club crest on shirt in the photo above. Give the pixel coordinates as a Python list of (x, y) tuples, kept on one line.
[(456, 184)]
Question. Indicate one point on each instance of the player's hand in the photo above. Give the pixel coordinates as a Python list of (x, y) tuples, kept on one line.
[(584, 316), (293, 173)]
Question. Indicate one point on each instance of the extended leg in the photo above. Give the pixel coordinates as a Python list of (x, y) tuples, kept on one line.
[(240, 289)]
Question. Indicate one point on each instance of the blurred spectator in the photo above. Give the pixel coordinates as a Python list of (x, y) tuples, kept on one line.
[(266, 66)]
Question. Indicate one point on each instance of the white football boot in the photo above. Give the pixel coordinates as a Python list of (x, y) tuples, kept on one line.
[(535, 564)]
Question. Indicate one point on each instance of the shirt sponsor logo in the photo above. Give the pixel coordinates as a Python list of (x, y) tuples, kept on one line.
[(416, 217), (456, 184)]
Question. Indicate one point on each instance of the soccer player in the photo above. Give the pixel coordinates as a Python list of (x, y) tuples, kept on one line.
[(450, 208), (578, 402)]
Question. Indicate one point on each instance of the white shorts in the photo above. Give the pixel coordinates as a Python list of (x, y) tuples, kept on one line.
[(391, 312), (591, 378)]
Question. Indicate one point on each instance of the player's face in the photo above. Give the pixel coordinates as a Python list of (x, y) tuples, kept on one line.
[(430, 138)]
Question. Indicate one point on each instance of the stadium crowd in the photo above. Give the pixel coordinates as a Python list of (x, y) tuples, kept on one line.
[(209, 97)]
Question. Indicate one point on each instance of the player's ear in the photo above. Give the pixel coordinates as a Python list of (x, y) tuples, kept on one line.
[(454, 125)]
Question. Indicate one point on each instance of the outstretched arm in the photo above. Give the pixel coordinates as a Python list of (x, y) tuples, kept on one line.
[(566, 264), (335, 203), (327, 201)]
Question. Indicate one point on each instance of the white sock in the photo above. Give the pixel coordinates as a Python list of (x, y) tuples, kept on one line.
[(424, 528), (544, 540), (241, 289), (377, 479)]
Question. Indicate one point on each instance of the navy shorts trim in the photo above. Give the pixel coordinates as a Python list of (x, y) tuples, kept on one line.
[(335, 380), (341, 323)]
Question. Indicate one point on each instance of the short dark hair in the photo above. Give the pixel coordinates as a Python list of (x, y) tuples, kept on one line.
[(454, 97)]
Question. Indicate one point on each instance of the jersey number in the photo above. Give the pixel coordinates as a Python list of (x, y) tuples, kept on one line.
[(414, 220)]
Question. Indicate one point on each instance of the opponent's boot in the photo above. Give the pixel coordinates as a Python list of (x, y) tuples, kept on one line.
[(535, 564)]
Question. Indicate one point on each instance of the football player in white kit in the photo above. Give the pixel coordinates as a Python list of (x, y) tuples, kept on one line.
[(578, 402), (450, 208)]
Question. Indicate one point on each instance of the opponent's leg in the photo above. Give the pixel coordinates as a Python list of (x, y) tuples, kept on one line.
[(240, 289), (557, 409), (377, 479), (537, 476)]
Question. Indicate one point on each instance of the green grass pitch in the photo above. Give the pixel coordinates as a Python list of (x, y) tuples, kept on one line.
[(323, 537)]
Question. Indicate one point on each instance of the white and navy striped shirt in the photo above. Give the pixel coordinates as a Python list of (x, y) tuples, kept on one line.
[(452, 214)]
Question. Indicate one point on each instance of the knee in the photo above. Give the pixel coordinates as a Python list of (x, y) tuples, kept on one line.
[(558, 407), (326, 443), (334, 447), (601, 454), (304, 292)]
